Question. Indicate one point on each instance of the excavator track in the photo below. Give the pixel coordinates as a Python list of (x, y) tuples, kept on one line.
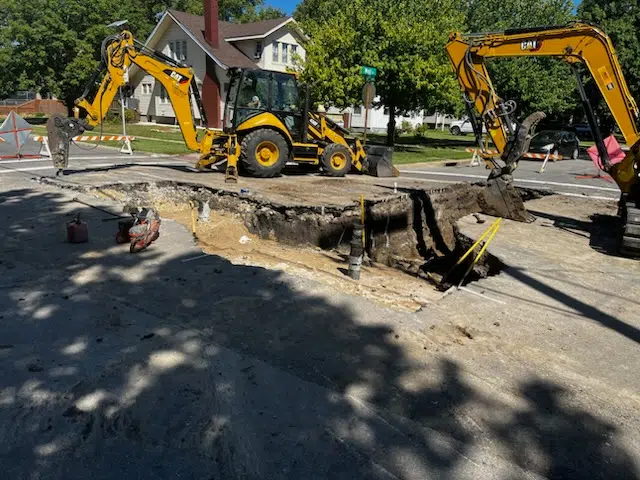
[(630, 230)]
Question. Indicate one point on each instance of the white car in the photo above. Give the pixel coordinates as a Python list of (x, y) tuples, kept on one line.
[(462, 127)]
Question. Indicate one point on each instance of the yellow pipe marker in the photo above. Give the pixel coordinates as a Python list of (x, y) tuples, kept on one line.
[(493, 229)]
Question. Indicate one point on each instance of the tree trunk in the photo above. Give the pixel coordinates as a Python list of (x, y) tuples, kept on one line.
[(391, 126)]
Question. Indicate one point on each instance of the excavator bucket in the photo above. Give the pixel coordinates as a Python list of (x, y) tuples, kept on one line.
[(501, 199), (379, 162)]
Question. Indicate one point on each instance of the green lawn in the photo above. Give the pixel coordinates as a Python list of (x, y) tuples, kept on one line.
[(155, 143), (438, 146)]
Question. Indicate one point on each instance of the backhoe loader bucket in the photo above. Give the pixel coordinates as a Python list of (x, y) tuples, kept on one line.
[(379, 162), (501, 199)]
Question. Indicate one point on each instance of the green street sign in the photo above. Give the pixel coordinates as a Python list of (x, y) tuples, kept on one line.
[(369, 72)]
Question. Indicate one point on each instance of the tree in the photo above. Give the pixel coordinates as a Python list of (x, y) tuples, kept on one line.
[(53, 46), (255, 14), (534, 83), (239, 11), (403, 39), (621, 21)]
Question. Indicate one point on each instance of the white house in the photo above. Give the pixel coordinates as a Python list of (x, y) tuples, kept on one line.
[(269, 44)]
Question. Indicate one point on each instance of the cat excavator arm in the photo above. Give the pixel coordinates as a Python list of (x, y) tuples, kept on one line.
[(576, 44)]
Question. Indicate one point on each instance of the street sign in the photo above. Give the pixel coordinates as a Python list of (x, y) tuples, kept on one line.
[(369, 72), (368, 94)]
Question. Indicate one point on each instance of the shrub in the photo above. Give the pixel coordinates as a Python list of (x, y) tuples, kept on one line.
[(421, 130), (406, 127), (130, 116)]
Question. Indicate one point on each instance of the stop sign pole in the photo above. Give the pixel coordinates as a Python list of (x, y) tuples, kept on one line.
[(368, 94)]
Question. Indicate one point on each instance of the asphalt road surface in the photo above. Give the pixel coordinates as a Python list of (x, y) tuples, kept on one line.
[(569, 177), (565, 177), (83, 156)]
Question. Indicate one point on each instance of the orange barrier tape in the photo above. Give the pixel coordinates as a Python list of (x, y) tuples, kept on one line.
[(537, 156), (92, 138)]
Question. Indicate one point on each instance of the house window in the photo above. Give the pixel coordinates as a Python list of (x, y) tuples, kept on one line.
[(146, 89), (258, 53), (294, 51), (357, 110), (276, 49), (285, 53), (164, 96), (178, 50)]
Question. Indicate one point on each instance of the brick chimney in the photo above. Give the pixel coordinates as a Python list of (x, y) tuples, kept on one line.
[(211, 85), (211, 30)]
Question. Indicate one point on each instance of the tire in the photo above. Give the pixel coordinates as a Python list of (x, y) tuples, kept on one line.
[(455, 130), (574, 155), (336, 160), (263, 153), (629, 235)]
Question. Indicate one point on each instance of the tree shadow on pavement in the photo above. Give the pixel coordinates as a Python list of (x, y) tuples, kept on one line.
[(556, 441), (165, 365), (600, 229)]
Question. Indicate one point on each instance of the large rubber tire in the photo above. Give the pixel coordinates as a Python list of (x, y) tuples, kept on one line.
[(456, 130), (263, 153), (336, 160), (629, 245)]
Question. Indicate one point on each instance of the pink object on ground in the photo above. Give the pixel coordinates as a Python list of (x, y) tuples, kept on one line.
[(613, 148)]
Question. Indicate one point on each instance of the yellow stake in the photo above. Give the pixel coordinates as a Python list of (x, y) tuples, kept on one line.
[(494, 226)]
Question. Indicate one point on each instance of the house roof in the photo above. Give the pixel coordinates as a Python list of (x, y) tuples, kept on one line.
[(246, 31), (226, 54)]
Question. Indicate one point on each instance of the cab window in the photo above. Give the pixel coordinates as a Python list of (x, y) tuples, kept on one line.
[(254, 91), (285, 91)]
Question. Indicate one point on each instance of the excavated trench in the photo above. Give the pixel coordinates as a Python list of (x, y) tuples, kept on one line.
[(412, 230)]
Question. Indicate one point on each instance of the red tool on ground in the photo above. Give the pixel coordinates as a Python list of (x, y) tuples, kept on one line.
[(141, 230)]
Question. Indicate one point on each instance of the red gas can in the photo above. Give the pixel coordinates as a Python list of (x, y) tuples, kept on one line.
[(77, 231)]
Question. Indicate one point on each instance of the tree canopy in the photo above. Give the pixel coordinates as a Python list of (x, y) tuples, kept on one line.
[(53, 46), (621, 21), (544, 84), (403, 39)]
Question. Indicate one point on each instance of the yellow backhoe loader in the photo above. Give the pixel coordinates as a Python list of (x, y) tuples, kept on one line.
[(576, 44), (267, 121)]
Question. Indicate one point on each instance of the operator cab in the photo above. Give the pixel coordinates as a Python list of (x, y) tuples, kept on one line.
[(252, 92)]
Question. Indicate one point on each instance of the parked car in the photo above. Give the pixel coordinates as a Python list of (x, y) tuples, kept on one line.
[(582, 130), (557, 142), (462, 127)]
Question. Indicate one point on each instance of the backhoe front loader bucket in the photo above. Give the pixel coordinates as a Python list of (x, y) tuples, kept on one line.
[(501, 199), (379, 162)]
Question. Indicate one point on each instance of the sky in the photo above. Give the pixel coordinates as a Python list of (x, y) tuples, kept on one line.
[(287, 5)]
